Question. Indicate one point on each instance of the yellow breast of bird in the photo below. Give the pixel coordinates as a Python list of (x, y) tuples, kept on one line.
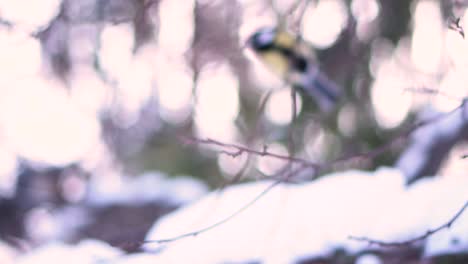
[(277, 63), (284, 39)]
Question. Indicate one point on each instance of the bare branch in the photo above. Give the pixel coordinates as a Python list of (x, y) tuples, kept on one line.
[(422, 237), (369, 155), (454, 24), (239, 149), (231, 216), (426, 90)]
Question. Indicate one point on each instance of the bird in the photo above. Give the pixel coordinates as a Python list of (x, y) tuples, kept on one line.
[(292, 59)]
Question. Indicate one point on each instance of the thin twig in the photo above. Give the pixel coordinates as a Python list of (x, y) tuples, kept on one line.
[(304, 164), (239, 149), (291, 147), (277, 12), (228, 218), (379, 150), (454, 24), (297, 24), (293, 7), (422, 237), (261, 109), (426, 90)]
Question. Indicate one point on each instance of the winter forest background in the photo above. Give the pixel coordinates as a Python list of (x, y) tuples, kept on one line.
[(114, 113)]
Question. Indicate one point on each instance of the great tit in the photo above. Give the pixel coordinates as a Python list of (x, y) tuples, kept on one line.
[(292, 59)]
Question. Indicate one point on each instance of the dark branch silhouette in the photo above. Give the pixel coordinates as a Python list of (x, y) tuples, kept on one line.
[(411, 241), (239, 149), (285, 178), (454, 24), (368, 155)]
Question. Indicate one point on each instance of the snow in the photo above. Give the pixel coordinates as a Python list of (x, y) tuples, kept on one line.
[(292, 222), (86, 252), (314, 219)]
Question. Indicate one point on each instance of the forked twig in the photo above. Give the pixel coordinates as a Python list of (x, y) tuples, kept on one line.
[(239, 149), (454, 24)]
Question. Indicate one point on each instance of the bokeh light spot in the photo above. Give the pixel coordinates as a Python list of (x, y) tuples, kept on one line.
[(279, 107), (322, 23)]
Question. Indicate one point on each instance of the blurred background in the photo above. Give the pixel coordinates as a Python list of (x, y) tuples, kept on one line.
[(99, 100)]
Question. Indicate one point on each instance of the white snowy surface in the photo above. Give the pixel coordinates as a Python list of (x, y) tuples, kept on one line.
[(86, 252), (294, 221), (314, 219)]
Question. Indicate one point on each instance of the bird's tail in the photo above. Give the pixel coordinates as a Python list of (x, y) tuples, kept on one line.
[(325, 92)]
